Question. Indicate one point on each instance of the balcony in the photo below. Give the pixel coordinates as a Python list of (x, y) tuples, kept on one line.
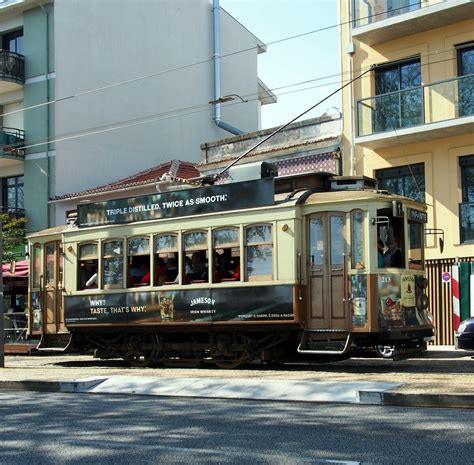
[(11, 146), (377, 21), (12, 71), (12, 212), (466, 216), (441, 109)]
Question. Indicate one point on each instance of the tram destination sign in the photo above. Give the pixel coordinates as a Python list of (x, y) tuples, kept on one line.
[(247, 194)]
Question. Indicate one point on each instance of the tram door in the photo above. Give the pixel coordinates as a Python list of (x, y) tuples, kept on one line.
[(53, 316), (327, 273)]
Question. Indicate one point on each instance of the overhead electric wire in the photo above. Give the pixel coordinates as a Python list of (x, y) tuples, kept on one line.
[(207, 60), (166, 115)]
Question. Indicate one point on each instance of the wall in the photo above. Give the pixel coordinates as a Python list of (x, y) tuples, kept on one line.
[(440, 154), (39, 122), (98, 44)]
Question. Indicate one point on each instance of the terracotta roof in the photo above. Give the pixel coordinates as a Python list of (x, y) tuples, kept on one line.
[(176, 169)]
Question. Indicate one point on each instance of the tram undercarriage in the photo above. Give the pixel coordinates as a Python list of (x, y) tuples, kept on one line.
[(227, 349)]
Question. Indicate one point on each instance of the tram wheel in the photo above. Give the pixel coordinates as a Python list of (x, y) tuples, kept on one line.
[(229, 351), (385, 351), (142, 350)]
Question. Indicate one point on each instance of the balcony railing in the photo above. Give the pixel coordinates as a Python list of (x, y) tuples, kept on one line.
[(466, 219), (11, 142), (371, 11), (12, 67), (13, 212), (432, 103)]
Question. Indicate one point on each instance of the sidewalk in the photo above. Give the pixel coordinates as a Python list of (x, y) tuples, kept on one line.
[(443, 378)]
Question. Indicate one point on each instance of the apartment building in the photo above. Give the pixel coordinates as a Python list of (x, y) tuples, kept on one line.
[(409, 122), (93, 91)]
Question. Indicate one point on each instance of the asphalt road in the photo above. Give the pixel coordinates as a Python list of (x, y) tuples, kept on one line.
[(53, 428)]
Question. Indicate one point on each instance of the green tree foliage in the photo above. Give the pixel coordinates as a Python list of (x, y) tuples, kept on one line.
[(13, 234)]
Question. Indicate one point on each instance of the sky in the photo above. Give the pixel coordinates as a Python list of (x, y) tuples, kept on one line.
[(296, 60)]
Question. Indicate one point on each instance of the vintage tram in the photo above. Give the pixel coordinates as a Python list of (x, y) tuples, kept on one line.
[(226, 274)]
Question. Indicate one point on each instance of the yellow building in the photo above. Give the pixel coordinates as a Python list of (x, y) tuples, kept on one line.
[(409, 122)]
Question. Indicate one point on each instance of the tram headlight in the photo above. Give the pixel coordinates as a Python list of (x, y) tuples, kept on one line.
[(422, 302)]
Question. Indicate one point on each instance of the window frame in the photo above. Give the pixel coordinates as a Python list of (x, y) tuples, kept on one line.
[(466, 236), (167, 250), (402, 172), (81, 258), (263, 277), (228, 245), (104, 257), (193, 249), (358, 265)]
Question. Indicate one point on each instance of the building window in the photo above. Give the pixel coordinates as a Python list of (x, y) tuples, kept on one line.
[(466, 79), (406, 180), (399, 101), (13, 41), (13, 194), (466, 213)]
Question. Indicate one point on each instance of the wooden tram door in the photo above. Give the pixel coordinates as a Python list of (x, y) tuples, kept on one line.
[(52, 296), (327, 272)]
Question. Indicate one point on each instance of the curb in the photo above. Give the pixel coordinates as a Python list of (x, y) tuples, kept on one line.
[(454, 400), (39, 386)]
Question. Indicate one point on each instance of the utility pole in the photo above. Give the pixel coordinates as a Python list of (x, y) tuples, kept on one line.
[(2, 321)]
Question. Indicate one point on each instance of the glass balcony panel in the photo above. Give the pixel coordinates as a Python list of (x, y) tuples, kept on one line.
[(466, 215), (371, 11), (440, 101), (389, 112)]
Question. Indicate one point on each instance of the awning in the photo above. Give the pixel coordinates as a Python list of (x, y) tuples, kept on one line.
[(20, 270)]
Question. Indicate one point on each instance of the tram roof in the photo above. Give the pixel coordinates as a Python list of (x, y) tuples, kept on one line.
[(282, 200)]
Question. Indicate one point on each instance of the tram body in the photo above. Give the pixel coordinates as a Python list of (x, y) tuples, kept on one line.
[(307, 279)]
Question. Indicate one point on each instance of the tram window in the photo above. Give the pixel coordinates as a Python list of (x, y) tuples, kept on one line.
[(393, 239), (36, 266), (50, 271), (112, 264), (259, 253), (226, 255), (316, 258), (139, 261), (415, 245), (88, 265), (358, 240), (166, 259), (195, 257)]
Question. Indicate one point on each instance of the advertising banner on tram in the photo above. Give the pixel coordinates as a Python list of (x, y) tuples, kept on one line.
[(262, 303), (225, 197)]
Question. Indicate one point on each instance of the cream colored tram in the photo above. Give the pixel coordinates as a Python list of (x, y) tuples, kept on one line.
[(233, 273)]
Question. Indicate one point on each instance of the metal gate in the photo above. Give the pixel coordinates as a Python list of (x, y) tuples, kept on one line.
[(441, 298)]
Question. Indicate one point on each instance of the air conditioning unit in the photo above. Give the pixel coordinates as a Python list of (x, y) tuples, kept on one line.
[(251, 171)]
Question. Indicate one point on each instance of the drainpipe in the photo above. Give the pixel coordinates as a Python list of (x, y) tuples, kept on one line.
[(217, 74), (350, 52)]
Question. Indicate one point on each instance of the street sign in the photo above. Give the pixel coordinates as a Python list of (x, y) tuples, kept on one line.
[(446, 277)]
